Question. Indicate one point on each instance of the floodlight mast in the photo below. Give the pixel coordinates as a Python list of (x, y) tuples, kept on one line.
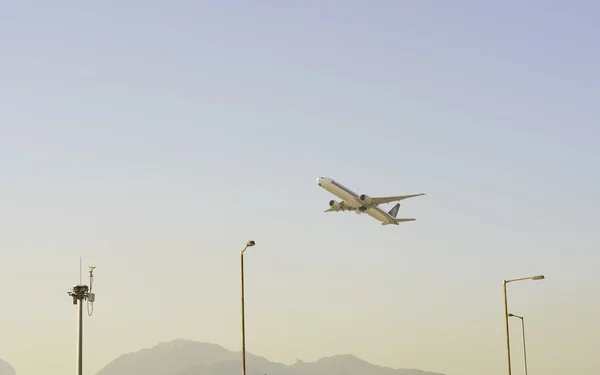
[(80, 293)]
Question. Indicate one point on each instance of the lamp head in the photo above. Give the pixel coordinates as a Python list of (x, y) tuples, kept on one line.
[(252, 243), (538, 277)]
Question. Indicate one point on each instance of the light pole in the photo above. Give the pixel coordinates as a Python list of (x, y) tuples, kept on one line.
[(80, 293), (523, 330), (538, 277), (248, 244)]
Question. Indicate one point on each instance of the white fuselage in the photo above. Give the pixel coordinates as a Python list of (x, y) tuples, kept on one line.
[(352, 199)]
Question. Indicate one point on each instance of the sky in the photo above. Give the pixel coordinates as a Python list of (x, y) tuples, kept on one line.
[(155, 138)]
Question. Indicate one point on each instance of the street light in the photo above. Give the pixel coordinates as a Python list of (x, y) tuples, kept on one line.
[(80, 293), (248, 244), (538, 277), (523, 330)]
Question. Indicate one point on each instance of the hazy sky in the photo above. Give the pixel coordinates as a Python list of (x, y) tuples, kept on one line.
[(155, 138)]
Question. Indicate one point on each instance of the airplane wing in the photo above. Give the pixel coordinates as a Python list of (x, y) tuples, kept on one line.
[(342, 206), (383, 200)]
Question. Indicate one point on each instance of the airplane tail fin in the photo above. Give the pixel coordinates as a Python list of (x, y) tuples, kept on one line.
[(394, 211)]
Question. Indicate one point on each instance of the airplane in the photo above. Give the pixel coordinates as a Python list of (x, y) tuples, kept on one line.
[(363, 203)]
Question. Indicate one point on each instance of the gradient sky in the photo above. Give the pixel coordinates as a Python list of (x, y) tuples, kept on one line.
[(155, 138)]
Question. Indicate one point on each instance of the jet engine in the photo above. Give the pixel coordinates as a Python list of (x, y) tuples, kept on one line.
[(334, 204), (365, 199)]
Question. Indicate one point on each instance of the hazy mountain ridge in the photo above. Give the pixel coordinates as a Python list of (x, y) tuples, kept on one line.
[(6, 368), (167, 358), (184, 357), (348, 364)]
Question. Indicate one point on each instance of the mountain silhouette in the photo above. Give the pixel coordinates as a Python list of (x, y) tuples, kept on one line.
[(6, 369), (185, 357)]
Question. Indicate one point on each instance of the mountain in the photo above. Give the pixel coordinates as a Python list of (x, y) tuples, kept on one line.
[(6, 369), (351, 365), (167, 358), (184, 357)]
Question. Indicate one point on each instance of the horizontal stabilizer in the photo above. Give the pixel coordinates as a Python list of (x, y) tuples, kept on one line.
[(403, 220)]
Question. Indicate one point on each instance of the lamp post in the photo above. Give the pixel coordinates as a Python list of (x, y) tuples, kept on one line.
[(523, 330), (538, 277), (248, 244), (80, 293)]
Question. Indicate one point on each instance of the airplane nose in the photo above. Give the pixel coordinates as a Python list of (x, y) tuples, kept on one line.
[(319, 181)]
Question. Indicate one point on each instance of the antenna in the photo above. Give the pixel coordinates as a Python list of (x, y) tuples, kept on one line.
[(81, 293)]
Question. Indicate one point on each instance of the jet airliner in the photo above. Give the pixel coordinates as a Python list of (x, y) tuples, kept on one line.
[(363, 203)]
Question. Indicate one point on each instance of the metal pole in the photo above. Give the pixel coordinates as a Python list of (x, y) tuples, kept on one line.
[(507, 331), (506, 315), (80, 334), (243, 323), (81, 293), (524, 350)]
